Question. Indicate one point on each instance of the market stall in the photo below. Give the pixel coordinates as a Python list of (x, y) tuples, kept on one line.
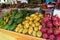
[(33, 20)]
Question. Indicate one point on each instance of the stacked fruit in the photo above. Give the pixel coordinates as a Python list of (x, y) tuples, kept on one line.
[(4, 20), (31, 25), (51, 29), (9, 21)]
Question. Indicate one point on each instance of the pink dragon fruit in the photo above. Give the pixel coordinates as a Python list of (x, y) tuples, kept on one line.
[(45, 35), (51, 37), (44, 30), (56, 31), (50, 31), (58, 37), (46, 19), (56, 24), (49, 24), (55, 18), (43, 24)]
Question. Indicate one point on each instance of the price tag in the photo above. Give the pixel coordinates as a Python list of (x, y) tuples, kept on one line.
[(56, 12)]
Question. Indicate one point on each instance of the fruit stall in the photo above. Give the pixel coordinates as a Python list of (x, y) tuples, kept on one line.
[(30, 21)]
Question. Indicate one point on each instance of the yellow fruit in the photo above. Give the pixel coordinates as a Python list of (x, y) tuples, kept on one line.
[(17, 29), (35, 17), (23, 22), (36, 13), (35, 21), (6, 19), (31, 19), (27, 18), (40, 27), (30, 28), (32, 15), (36, 29), (26, 26), (34, 33), (25, 31), (30, 31), (39, 33), (33, 25), (37, 24), (20, 30), (20, 25), (40, 15), (26, 21), (30, 22), (40, 21)]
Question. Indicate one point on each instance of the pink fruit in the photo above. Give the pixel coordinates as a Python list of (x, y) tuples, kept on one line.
[(46, 19), (56, 23), (43, 24), (58, 37), (44, 30), (45, 35), (59, 28), (55, 18), (49, 24), (49, 31), (56, 31), (51, 37)]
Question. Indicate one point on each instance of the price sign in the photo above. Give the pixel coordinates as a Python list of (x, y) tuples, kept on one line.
[(56, 12)]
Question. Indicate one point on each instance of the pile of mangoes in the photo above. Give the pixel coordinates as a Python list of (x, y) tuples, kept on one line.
[(31, 25)]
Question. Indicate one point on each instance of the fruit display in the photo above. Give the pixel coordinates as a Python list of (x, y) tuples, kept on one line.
[(9, 21), (34, 19), (31, 25), (51, 27)]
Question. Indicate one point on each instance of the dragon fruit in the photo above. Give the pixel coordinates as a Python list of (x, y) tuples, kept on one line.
[(44, 30), (46, 19), (58, 37), (49, 24), (56, 31), (50, 27), (50, 31), (45, 35), (55, 18), (43, 24), (51, 37), (56, 24)]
